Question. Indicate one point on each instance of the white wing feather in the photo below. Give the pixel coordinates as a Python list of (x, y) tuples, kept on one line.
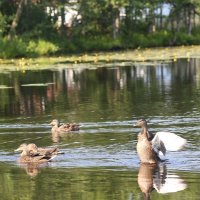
[(171, 141)]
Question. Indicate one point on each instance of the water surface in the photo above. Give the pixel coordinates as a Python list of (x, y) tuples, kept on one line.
[(99, 161)]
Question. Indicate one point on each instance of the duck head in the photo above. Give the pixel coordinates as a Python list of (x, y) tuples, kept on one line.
[(54, 122), (27, 149), (141, 123), (21, 148)]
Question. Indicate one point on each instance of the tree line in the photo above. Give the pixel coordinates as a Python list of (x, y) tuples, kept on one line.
[(43, 27)]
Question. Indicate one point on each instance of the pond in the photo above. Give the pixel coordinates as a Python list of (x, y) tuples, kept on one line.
[(100, 161)]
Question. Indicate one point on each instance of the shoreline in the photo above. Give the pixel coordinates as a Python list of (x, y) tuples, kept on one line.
[(97, 59)]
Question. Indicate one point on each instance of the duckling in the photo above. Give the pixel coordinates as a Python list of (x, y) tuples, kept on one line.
[(31, 153), (149, 146), (63, 128)]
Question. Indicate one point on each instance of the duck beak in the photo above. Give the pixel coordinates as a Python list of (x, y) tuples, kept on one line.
[(17, 150)]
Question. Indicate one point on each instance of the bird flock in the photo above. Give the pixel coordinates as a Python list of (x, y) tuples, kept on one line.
[(149, 146)]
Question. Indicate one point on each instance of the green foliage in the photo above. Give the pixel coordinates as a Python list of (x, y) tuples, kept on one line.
[(159, 39), (101, 26), (134, 40), (35, 23), (65, 45), (12, 49), (156, 39), (19, 48), (97, 43), (34, 48), (185, 39), (41, 47), (2, 24), (97, 20)]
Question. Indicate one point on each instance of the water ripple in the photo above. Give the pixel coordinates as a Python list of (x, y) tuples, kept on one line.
[(106, 144)]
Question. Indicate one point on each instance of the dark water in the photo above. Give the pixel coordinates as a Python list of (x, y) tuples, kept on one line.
[(100, 161)]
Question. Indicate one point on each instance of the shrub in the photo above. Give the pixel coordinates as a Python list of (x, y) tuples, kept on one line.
[(159, 39), (12, 48), (134, 40), (97, 43), (41, 47), (19, 48)]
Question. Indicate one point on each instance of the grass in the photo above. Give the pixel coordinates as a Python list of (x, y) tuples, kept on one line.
[(149, 55)]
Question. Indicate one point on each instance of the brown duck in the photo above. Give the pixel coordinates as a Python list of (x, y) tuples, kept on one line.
[(149, 146), (63, 128), (31, 153)]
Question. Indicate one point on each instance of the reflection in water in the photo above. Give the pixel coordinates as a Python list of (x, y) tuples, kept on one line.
[(56, 137), (33, 169), (68, 89), (156, 177), (99, 162)]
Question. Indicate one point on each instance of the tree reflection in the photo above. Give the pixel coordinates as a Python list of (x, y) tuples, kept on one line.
[(152, 177), (108, 89)]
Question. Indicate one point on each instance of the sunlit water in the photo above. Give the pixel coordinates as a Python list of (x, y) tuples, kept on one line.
[(100, 160)]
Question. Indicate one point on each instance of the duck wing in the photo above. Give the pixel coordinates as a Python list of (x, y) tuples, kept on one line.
[(64, 128), (163, 141), (69, 127), (74, 127), (150, 135), (158, 145), (36, 159), (49, 151)]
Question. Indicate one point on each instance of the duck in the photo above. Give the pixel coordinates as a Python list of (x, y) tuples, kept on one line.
[(63, 128), (149, 145), (30, 153)]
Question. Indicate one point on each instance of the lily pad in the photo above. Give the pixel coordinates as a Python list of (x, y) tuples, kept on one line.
[(36, 84), (5, 87)]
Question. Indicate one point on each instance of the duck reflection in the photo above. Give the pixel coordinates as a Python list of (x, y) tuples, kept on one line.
[(152, 177), (57, 137), (33, 169)]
